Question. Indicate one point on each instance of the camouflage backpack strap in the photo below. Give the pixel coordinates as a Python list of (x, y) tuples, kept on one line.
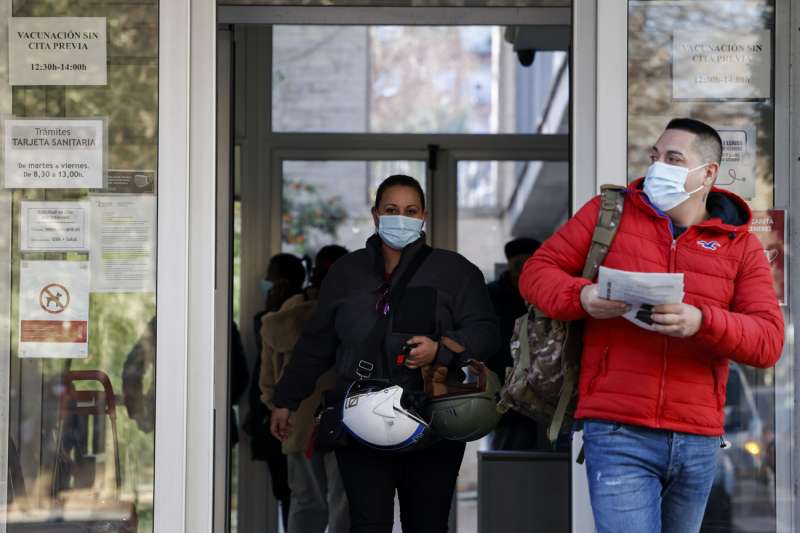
[(611, 205)]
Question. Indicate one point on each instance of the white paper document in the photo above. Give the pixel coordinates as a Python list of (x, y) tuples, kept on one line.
[(641, 290), (54, 226), (123, 245)]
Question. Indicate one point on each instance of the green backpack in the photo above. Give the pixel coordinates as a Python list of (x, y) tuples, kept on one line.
[(546, 352)]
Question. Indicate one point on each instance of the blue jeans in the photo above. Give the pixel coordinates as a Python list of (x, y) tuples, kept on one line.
[(647, 480)]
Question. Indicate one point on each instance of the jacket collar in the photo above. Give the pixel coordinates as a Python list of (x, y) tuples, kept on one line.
[(374, 248), (727, 211)]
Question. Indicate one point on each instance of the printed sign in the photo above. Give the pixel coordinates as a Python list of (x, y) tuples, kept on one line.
[(721, 65), (54, 226), (54, 154), (737, 172), (57, 51), (54, 309), (123, 249), (130, 182), (770, 228)]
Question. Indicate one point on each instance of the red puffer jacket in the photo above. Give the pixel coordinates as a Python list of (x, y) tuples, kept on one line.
[(635, 376)]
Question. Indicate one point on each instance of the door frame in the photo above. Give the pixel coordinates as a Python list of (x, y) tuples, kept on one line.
[(185, 301), (262, 150)]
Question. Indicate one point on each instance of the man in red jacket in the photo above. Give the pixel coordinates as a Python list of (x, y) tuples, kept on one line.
[(651, 402)]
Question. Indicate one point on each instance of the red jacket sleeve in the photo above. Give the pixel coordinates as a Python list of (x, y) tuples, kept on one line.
[(751, 332), (551, 279)]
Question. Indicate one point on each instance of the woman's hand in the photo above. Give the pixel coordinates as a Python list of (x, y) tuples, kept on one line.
[(423, 353), (279, 424)]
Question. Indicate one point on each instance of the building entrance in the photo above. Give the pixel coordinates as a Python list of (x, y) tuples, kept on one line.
[(327, 103)]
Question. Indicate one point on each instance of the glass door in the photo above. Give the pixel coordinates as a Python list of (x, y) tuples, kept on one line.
[(725, 63), (329, 201), (715, 61), (355, 99)]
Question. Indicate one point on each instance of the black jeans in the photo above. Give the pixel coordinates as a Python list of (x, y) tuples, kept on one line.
[(424, 481)]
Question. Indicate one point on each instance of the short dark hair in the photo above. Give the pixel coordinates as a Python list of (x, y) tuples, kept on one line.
[(521, 246), (330, 253), (326, 257), (289, 267), (707, 142), (399, 180)]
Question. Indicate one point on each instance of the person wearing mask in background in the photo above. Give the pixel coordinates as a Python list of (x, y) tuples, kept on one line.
[(652, 401), (514, 431), (318, 497), (284, 278), (445, 297)]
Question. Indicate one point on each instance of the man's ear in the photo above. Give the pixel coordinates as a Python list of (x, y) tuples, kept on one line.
[(375, 217), (711, 174)]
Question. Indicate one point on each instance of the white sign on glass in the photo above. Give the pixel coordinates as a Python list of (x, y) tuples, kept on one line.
[(54, 226), (721, 65), (54, 309), (54, 153), (737, 172), (57, 51), (123, 246)]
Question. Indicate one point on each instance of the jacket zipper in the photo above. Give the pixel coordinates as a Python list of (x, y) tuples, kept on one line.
[(673, 251)]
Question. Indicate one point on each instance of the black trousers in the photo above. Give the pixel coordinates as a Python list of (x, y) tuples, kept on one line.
[(424, 481)]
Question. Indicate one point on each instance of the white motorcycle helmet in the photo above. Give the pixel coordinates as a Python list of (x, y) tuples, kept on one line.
[(374, 415)]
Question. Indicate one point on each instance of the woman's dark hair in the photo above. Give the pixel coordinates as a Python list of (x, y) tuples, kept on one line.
[(399, 180), (289, 267)]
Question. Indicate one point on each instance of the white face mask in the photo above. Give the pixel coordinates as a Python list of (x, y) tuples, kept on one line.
[(398, 231), (665, 185)]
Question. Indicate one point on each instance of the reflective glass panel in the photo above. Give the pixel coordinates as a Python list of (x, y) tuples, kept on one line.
[(499, 201), (330, 202), (79, 235), (414, 79), (502, 200), (713, 60)]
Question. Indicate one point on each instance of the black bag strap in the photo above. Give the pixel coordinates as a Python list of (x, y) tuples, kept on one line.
[(374, 342), (396, 291)]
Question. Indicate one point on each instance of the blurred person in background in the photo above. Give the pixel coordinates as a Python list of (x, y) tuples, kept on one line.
[(318, 499)]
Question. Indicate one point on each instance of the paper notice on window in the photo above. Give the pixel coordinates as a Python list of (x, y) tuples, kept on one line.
[(54, 309), (641, 290), (123, 246), (54, 153), (54, 227), (57, 51), (721, 64), (737, 171)]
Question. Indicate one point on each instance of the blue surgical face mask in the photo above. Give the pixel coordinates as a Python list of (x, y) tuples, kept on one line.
[(398, 231), (665, 185), (266, 286)]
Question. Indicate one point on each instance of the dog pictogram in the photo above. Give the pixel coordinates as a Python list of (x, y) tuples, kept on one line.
[(54, 298)]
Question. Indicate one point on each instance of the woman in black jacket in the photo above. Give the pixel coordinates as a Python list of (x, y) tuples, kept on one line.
[(445, 297)]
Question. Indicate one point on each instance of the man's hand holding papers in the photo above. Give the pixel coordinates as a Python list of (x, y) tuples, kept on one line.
[(654, 300)]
